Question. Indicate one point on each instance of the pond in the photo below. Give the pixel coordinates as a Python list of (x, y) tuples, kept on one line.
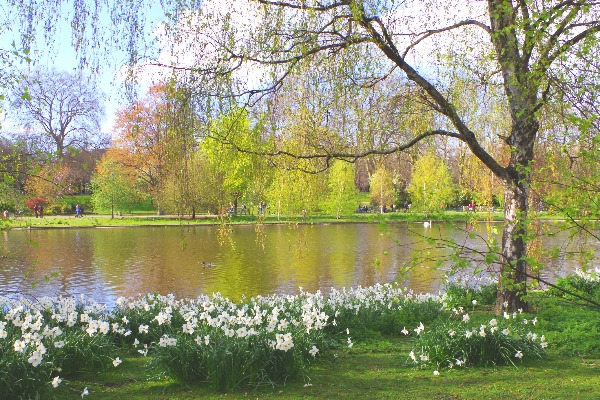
[(106, 263)]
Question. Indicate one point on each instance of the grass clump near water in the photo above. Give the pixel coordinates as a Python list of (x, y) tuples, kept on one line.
[(370, 342)]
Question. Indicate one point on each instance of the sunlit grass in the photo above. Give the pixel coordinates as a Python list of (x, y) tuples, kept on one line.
[(376, 369), (145, 219)]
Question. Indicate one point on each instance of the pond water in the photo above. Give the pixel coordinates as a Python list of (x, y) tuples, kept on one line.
[(106, 263)]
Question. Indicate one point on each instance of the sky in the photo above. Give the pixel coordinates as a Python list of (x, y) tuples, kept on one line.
[(61, 55)]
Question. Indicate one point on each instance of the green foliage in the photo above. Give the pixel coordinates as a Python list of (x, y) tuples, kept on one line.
[(113, 188), (68, 203), (581, 283), (382, 191), (19, 379), (228, 361), (342, 194), (294, 192), (431, 188), (570, 328), (387, 316), (40, 341), (462, 296), (241, 174), (10, 197), (476, 341)]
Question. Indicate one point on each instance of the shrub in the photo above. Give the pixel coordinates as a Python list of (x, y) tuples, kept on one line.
[(385, 315), (228, 344), (39, 340), (55, 209)]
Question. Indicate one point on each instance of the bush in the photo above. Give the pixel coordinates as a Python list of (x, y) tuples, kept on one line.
[(229, 359), (40, 339), (55, 209), (389, 316), (213, 339)]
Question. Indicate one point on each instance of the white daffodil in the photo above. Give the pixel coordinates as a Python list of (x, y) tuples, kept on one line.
[(56, 381)]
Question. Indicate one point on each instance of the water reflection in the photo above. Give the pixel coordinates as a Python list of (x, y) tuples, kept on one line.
[(113, 262)]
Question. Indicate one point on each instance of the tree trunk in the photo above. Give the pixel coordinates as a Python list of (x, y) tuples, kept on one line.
[(235, 203), (512, 282)]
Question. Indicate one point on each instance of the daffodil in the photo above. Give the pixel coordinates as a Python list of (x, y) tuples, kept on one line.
[(56, 381), (519, 354)]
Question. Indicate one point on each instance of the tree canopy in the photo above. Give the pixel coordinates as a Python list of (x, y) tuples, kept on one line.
[(62, 109)]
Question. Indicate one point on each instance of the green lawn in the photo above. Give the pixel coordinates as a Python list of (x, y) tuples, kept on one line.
[(375, 369), (378, 367), (91, 220)]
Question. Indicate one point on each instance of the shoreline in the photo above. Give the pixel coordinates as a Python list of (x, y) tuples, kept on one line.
[(150, 220)]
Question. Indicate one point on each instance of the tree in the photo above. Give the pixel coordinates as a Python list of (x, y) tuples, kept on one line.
[(64, 109), (49, 181), (382, 188), (522, 46), (240, 172), (431, 188), (139, 141), (113, 187), (533, 50), (180, 128), (341, 197), (294, 192), (10, 197)]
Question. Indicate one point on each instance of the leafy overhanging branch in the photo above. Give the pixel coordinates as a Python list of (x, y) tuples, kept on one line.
[(328, 156)]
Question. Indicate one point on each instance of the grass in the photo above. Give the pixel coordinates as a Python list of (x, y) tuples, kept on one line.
[(140, 219), (374, 369)]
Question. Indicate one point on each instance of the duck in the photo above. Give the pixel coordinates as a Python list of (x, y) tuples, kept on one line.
[(427, 224), (207, 265)]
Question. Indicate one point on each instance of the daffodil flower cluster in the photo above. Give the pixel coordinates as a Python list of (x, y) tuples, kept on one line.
[(467, 340), (590, 275), (213, 338), (40, 339)]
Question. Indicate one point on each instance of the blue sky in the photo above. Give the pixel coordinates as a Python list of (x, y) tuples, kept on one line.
[(60, 54)]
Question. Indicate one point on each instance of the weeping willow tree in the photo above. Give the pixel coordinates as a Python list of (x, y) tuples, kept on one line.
[(533, 50)]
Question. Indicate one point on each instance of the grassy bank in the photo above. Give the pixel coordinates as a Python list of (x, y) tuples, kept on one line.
[(91, 220), (374, 369)]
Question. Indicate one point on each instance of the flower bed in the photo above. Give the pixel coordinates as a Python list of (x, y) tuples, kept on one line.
[(210, 338)]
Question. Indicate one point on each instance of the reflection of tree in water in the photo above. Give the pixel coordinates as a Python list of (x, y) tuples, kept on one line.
[(259, 230), (298, 234), (11, 255), (224, 231)]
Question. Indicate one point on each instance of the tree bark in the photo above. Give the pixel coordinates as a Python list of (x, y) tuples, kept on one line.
[(512, 282)]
